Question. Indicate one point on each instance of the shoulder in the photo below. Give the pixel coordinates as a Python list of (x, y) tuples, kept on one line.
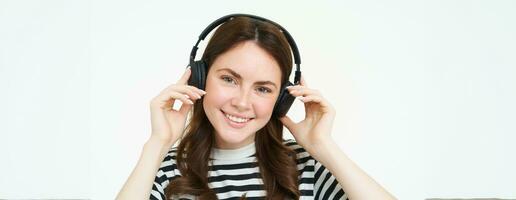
[(292, 144), (302, 155), (166, 172), (169, 164), (171, 155)]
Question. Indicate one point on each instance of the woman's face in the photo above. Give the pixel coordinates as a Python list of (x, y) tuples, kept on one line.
[(241, 90)]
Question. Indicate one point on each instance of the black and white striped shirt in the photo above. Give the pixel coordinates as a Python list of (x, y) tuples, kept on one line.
[(235, 172)]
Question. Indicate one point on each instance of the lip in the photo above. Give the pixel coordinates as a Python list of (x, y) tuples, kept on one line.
[(236, 115), (235, 124)]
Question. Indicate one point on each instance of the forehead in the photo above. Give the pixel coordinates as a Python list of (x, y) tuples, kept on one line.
[(250, 61)]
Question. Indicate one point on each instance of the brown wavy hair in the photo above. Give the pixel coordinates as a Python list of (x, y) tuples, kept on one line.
[(277, 162)]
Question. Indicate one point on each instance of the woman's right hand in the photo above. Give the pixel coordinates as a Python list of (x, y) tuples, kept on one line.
[(168, 124)]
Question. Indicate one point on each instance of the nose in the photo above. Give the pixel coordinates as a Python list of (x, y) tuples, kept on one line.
[(241, 101)]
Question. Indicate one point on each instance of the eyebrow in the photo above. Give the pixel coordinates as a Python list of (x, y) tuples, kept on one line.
[(239, 77)]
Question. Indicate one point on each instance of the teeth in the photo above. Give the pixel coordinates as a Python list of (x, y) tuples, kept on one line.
[(237, 119)]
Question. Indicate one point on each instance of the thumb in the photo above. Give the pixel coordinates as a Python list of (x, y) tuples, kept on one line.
[(185, 108), (287, 122)]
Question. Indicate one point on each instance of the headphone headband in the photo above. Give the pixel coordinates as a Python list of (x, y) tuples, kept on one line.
[(292, 43)]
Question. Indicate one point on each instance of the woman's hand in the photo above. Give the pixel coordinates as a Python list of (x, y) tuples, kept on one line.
[(168, 124), (319, 116), (314, 134)]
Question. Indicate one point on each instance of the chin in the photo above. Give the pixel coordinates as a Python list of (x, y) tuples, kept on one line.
[(234, 137)]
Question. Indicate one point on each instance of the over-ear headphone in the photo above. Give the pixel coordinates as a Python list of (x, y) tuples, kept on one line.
[(200, 69)]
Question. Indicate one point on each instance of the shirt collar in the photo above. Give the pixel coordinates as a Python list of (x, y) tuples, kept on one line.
[(231, 154)]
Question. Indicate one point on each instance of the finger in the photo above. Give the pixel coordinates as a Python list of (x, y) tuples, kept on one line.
[(303, 91), (174, 86), (325, 105), (185, 108), (191, 91), (169, 98), (186, 75), (311, 98), (297, 87), (287, 122)]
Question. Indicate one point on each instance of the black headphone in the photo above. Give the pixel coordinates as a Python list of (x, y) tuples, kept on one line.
[(200, 69)]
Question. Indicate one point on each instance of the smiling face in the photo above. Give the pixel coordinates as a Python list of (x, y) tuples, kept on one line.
[(241, 90)]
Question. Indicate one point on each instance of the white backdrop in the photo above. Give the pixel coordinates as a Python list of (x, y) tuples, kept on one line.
[(424, 90)]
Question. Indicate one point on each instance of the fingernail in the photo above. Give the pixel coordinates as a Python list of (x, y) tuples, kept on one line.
[(190, 102)]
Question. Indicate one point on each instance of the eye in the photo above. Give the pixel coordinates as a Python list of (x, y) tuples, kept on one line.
[(227, 79), (264, 90)]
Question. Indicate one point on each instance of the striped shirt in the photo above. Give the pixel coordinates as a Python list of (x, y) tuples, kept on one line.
[(235, 172)]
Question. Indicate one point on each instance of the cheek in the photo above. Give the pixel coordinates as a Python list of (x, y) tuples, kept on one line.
[(216, 95), (264, 107)]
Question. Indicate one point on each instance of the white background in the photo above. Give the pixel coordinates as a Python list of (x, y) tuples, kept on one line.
[(424, 90)]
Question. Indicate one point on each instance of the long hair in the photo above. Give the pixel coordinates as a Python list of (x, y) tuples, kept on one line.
[(277, 162)]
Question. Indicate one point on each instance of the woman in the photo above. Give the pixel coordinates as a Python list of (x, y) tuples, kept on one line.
[(233, 147)]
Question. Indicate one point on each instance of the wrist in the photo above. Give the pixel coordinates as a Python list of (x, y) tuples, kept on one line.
[(156, 143), (323, 150), (320, 145)]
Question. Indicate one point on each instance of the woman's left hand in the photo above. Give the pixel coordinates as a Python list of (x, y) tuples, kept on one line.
[(319, 116)]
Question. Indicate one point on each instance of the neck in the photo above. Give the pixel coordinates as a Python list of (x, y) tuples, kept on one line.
[(220, 144)]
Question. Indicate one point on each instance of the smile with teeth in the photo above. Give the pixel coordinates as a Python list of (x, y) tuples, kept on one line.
[(236, 119)]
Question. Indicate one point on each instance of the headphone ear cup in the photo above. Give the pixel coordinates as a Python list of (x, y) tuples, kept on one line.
[(198, 75), (284, 101)]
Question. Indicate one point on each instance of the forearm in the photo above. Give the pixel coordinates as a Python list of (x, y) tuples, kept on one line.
[(355, 182), (139, 184)]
